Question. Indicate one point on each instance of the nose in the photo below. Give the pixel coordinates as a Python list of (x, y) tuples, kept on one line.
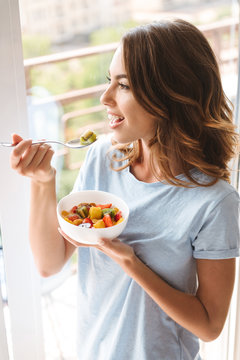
[(107, 98)]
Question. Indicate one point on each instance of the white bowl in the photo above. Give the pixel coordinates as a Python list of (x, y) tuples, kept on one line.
[(90, 236)]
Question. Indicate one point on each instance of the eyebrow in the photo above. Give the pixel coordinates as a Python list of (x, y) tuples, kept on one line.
[(120, 76)]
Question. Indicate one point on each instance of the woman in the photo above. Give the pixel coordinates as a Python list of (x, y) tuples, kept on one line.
[(167, 281)]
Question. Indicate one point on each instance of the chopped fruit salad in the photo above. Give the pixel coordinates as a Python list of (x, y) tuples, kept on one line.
[(96, 215)]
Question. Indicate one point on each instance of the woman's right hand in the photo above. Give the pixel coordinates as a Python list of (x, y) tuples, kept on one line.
[(32, 161)]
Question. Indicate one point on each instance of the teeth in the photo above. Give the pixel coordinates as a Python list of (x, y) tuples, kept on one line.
[(114, 117)]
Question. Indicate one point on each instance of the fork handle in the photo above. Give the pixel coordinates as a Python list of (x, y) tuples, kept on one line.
[(7, 144), (47, 141)]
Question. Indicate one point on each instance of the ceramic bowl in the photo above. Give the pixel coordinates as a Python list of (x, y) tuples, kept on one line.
[(91, 235)]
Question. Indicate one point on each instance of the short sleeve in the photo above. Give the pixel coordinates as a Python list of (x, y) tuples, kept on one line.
[(218, 238)]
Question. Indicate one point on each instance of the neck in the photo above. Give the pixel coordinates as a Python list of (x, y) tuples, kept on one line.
[(143, 169), (144, 153)]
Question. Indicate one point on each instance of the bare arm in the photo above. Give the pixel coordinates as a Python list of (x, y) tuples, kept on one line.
[(203, 314), (50, 250)]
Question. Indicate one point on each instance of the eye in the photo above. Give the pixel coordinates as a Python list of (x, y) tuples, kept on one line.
[(123, 86)]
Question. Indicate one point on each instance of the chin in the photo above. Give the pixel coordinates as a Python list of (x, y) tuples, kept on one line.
[(123, 139)]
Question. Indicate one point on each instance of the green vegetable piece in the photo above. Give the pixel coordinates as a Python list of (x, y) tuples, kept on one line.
[(109, 211), (88, 137), (106, 211), (82, 211), (113, 213)]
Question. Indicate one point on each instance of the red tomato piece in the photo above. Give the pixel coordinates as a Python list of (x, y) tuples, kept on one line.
[(106, 206), (108, 220), (73, 217), (87, 220), (118, 216), (73, 210)]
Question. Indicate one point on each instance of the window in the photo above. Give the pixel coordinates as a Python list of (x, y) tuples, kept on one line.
[(62, 92)]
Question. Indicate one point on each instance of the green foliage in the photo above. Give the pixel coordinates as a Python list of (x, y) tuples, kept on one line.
[(65, 180), (75, 74), (110, 34), (35, 45), (71, 75), (106, 35)]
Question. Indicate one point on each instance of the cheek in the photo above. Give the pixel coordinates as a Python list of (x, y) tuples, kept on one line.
[(125, 106), (127, 103), (134, 113)]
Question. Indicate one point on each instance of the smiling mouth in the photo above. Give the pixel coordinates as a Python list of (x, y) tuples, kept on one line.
[(114, 120)]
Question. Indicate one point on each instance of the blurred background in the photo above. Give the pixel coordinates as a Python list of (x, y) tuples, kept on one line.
[(67, 49), (68, 45)]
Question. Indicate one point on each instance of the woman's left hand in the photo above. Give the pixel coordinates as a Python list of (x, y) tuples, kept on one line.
[(121, 253)]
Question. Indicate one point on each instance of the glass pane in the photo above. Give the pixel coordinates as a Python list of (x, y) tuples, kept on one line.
[(67, 47)]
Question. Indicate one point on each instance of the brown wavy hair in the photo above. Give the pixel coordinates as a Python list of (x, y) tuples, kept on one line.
[(173, 73)]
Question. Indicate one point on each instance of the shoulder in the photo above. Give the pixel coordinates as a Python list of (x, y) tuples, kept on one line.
[(216, 192), (227, 200), (216, 203), (201, 201)]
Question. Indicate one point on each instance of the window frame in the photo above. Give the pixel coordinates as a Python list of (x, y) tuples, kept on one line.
[(22, 281)]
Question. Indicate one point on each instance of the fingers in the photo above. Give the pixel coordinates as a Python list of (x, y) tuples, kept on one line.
[(28, 156), (75, 243), (107, 243), (46, 160), (18, 152), (32, 160), (35, 155)]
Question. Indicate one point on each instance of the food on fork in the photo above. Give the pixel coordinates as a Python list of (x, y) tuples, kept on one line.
[(88, 137)]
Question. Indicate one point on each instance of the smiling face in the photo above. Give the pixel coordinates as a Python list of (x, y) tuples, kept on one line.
[(128, 119)]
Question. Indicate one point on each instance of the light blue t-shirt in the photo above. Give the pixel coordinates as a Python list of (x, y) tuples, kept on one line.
[(169, 227)]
